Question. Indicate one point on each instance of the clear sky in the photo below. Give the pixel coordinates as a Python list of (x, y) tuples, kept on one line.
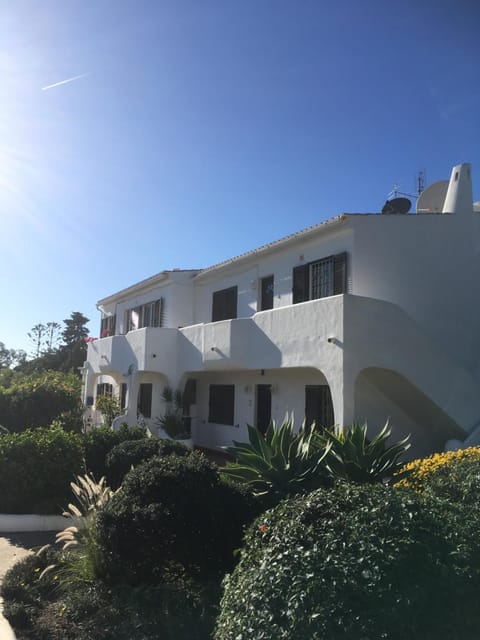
[(195, 130)]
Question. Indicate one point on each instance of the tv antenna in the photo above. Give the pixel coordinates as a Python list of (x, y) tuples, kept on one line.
[(420, 181)]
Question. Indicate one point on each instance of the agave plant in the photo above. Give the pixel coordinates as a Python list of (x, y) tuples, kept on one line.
[(281, 463), (353, 456)]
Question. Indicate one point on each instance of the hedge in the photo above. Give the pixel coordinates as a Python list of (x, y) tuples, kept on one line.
[(38, 399), (36, 468), (356, 562)]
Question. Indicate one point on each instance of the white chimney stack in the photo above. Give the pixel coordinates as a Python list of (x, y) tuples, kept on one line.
[(459, 198)]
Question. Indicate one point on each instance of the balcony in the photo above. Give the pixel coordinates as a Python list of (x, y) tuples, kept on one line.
[(148, 349), (270, 339)]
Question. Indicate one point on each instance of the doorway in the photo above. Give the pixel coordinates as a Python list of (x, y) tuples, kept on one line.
[(263, 407)]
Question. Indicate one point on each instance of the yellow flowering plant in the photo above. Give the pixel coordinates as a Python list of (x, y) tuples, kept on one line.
[(419, 473)]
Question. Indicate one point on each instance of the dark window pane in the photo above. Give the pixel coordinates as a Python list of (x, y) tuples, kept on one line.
[(123, 395), (340, 273), (145, 400), (300, 283), (318, 406), (104, 389), (190, 393), (224, 304), (266, 293), (221, 403), (264, 407)]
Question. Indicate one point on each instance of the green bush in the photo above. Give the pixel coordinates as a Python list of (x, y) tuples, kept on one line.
[(36, 468), (37, 400), (25, 595), (100, 441), (130, 453), (356, 561), (38, 610), (172, 512)]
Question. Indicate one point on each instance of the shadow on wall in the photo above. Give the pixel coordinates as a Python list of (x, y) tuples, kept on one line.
[(382, 394)]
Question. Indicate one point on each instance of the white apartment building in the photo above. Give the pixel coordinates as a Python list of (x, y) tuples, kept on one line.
[(362, 317)]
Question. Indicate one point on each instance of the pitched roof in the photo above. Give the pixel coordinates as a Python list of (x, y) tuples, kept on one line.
[(297, 235)]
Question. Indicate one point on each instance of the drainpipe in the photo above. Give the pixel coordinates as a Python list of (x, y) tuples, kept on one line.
[(459, 198)]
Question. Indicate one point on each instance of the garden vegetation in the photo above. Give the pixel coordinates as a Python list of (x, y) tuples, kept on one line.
[(324, 536)]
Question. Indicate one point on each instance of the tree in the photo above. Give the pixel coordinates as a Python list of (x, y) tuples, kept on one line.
[(75, 330), (74, 336), (37, 336), (11, 357), (52, 336)]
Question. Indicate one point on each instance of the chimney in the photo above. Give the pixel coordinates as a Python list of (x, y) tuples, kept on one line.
[(459, 197)]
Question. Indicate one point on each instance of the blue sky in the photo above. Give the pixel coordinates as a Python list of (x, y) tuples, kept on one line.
[(203, 128)]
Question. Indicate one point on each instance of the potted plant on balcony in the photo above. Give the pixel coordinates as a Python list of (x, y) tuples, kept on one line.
[(174, 422)]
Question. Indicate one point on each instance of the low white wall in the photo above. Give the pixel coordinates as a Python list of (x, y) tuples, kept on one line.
[(16, 523)]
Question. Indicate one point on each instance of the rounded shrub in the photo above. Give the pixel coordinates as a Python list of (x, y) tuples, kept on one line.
[(100, 441), (356, 561), (123, 456), (36, 468), (172, 512)]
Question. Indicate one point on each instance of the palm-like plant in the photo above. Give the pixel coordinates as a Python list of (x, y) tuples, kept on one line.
[(282, 463), (353, 456)]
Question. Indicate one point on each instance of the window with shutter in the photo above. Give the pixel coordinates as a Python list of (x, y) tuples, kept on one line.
[(107, 326), (221, 404), (266, 293), (149, 314), (145, 399), (320, 279), (224, 304), (300, 283), (318, 406)]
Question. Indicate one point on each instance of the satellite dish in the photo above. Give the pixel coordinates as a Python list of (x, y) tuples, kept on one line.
[(397, 205), (432, 199)]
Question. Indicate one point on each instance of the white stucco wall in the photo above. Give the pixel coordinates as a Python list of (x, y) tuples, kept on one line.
[(412, 311), (288, 397), (279, 263), (428, 265)]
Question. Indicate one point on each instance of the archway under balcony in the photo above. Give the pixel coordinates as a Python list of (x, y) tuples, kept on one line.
[(383, 394), (102, 384), (227, 400)]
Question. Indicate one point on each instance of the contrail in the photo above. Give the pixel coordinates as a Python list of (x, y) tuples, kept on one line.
[(57, 84)]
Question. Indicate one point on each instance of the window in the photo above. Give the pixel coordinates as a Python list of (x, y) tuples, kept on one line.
[(320, 279), (266, 293), (123, 395), (221, 403), (104, 389), (107, 326), (149, 314), (318, 406), (224, 304), (145, 400)]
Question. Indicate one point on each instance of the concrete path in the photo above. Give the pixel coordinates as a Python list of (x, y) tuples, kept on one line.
[(15, 547)]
